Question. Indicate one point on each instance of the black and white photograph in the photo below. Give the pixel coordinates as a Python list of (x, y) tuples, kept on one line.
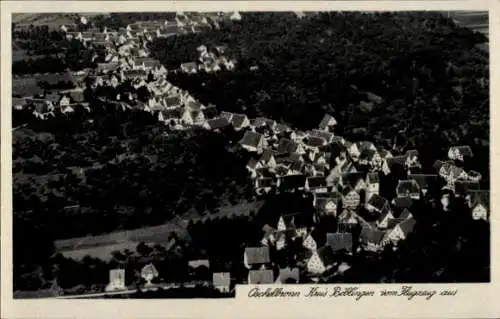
[(167, 155)]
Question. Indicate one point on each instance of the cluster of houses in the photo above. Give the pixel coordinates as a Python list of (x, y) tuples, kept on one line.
[(124, 56)]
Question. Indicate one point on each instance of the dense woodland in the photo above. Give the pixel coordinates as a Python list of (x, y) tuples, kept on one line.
[(432, 78), (122, 169)]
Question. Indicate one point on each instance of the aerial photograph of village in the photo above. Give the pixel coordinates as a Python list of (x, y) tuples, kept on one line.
[(180, 154)]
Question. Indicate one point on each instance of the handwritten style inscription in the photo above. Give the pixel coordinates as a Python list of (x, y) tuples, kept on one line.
[(356, 293)]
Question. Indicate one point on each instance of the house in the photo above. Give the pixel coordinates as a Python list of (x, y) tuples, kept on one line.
[(41, 109), (401, 231), (424, 181), (314, 142), (344, 166), (256, 256), (287, 146), (353, 149), (264, 122), (321, 260), (372, 184), (189, 67), (260, 277), (285, 223), (198, 263), (267, 159), (392, 164), (253, 142), (327, 123), (217, 123), (371, 239), (384, 219), (316, 184), (346, 221), (239, 121), (227, 115), (339, 241), (149, 273), (169, 116), (264, 185), (411, 158), (327, 203), (353, 180), (402, 202), (172, 102), (221, 281), (462, 188), (325, 135), (408, 188), (479, 202), (291, 183), (116, 280), (377, 204), (460, 153), (351, 198), (288, 276), (18, 103), (309, 242), (369, 157)]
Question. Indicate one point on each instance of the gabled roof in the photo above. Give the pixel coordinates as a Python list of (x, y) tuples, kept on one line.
[(262, 276), (172, 101), (265, 182), (189, 65), (352, 179), (396, 160), (171, 114), (464, 150), (373, 177), (262, 121), (282, 128), (315, 141), (325, 121), (194, 105), (424, 180), (339, 241), (252, 163), (407, 225), (288, 273), (317, 181), (251, 139), (287, 146), (405, 214), (411, 153), (291, 182), (198, 263), (327, 136), (76, 95), (257, 255), (211, 113), (403, 202), (297, 166), (266, 155), (238, 119), (480, 197), (463, 187), (227, 115), (371, 235), (217, 123), (378, 202), (367, 154), (326, 255), (407, 187)]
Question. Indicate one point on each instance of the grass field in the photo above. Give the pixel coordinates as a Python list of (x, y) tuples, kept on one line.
[(103, 245)]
